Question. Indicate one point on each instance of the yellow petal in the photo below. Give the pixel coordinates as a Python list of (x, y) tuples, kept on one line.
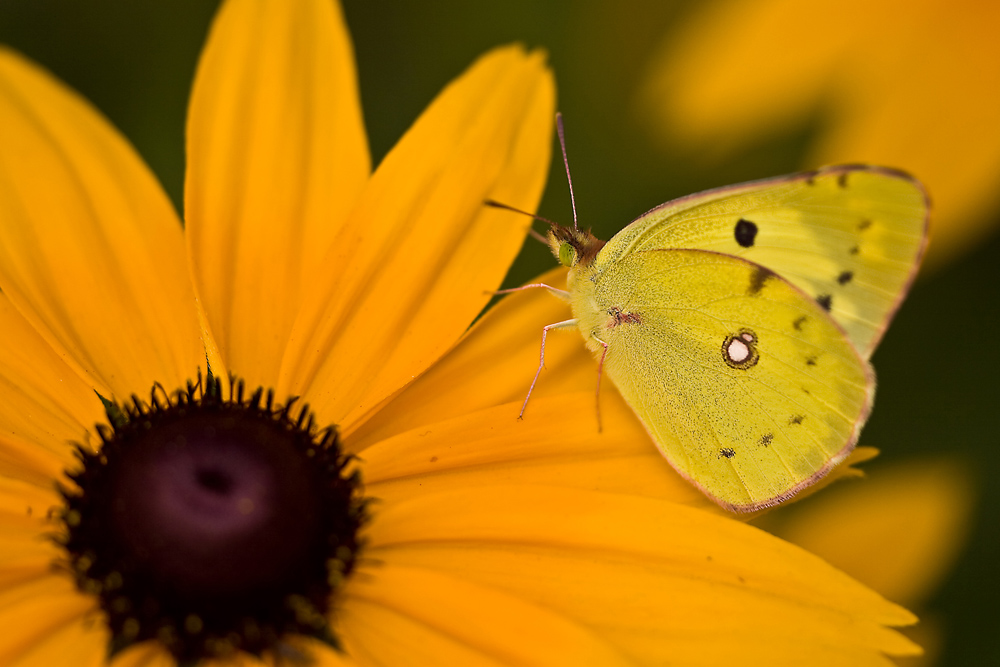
[(27, 549), (76, 644), (662, 582), (310, 651), (398, 615), (493, 365), (914, 517), (46, 405), (47, 622), (145, 654), (559, 445), (930, 635), (24, 460), (91, 252), (420, 252), (293, 650), (277, 155)]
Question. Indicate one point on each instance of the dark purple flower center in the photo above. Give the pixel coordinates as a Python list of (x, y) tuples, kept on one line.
[(212, 525)]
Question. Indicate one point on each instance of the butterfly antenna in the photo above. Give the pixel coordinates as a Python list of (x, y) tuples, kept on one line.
[(536, 235), (569, 179)]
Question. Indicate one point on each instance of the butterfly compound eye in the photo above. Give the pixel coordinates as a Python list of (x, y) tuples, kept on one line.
[(567, 254)]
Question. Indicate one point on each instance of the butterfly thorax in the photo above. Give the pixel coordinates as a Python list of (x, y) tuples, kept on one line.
[(578, 250)]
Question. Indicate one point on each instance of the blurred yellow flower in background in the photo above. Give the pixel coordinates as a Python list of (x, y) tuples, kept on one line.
[(901, 531), (909, 84)]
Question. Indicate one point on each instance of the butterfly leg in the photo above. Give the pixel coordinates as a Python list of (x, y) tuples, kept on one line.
[(565, 324), (600, 373), (562, 294)]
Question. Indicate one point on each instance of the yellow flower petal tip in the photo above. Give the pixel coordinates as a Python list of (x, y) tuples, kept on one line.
[(486, 136), (677, 578), (914, 515)]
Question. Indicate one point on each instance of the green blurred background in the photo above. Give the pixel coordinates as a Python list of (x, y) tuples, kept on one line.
[(938, 365)]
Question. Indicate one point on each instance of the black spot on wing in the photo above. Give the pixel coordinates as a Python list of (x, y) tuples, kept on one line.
[(758, 277), (842, 179), (766, 439), (727, 452), (811, 361), (864, 224), (845, 277), (797, 324), (826, 301), (795, 420), (854, 250), (745, 232)]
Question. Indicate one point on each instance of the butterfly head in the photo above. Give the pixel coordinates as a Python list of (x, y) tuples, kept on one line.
[(573, 247)]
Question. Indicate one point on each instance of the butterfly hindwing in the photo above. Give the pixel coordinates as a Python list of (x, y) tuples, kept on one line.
[(747, 386), (849, 237)]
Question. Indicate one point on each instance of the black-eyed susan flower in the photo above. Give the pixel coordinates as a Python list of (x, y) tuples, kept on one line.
[(406, 517), (886, 82)]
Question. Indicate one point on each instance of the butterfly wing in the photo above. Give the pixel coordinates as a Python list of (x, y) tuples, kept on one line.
[(746, 384), (850, 237)]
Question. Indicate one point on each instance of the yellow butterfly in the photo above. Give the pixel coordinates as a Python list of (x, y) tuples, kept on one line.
[(738, 322)]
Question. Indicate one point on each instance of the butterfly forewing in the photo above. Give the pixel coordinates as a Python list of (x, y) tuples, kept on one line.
[(849, 237), (748, 387)]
